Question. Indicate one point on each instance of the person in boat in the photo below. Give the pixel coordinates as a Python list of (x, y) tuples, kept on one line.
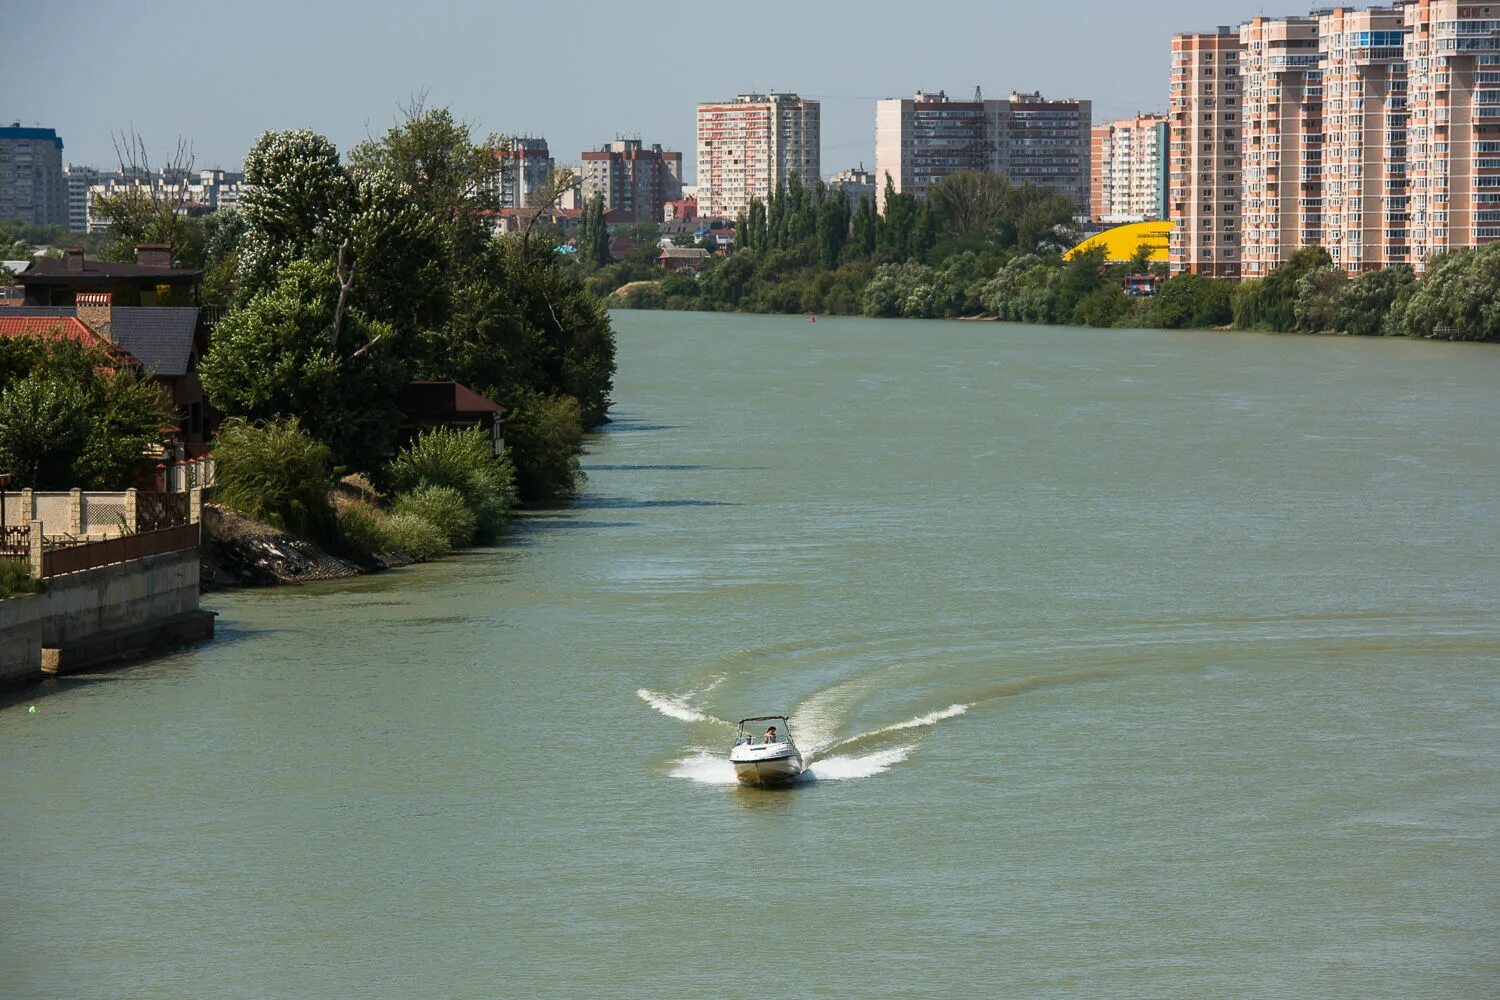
[(770, 734)]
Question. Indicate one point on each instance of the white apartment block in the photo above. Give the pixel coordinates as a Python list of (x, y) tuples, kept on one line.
[(194, 193), (750, 146), (1129, 161)]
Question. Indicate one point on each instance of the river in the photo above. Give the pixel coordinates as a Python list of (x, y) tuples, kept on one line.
[(1136, 664)]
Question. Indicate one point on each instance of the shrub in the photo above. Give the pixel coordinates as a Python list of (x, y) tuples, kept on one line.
[(545, 435), (444, 507), (369, 531), (362, 528), (277, 473), (464, 461), (16, 578), (413, 536)]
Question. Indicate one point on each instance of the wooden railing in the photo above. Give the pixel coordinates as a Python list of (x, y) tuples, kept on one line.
[(91, 555)]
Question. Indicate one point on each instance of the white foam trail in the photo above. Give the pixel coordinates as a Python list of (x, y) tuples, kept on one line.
[(930, 719), (709, 767), (675, 708), (850, 768)]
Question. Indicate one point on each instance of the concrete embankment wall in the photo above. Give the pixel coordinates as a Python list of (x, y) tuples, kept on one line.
[(99, 612)]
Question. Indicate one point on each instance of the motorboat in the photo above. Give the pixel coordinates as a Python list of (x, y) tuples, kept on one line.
[(765, 758)]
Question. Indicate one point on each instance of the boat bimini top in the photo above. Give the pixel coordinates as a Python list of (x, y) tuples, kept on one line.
[(745, 736)]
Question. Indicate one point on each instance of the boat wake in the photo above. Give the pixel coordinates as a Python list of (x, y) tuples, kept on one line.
[(709, 767), (676, 708)]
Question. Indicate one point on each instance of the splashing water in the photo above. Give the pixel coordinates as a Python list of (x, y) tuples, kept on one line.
[(676, 708), (712, 768)]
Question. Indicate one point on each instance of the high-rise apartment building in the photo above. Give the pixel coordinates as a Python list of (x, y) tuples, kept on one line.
[(1453, 76), (523, 172), (634, 181), (79, 180), (750, 146), (1281, 78), (1129, 161), (1203, 186), (32, 188), (922, 139), (855, 184), (1366, 221)]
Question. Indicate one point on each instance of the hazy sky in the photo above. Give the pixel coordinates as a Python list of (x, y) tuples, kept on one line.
[(578, 73)]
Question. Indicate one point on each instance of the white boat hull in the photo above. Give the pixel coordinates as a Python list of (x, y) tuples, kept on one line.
[(766, 765)]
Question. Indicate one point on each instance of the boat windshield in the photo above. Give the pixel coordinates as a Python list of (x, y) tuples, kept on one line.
[(758, 732)]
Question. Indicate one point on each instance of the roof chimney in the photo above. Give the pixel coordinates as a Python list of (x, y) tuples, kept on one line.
[(153, 254), (95, 310), (75, 258)]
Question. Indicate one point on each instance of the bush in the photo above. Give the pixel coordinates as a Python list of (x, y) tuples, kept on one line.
[(362, 528), (277, 473), (415, 537), (444, 507), (545, 436), (462, 460), (16, 578), (369, 531)]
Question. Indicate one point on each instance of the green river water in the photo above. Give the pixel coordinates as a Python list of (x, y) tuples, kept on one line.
[(1134, 664)]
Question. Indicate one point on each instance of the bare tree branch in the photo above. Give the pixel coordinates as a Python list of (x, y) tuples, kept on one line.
[(346, 283)]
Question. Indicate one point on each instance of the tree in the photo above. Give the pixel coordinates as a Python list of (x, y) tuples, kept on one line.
[(296, 205), (1458, 298), (862, 238), (1318, 295), (973, 203), (73, 415), (145, 211), (593, 234), (1374, 303), (1272, 303), (1191, 301), (279, 356), (833, 228)]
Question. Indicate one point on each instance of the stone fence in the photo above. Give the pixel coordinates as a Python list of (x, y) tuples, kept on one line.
[(84, 515)]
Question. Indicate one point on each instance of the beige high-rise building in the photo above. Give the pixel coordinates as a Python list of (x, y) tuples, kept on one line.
[(1282, 193), (1129, 162), (1453, 68), (1203, 189), (749, 146), (1365, 208)]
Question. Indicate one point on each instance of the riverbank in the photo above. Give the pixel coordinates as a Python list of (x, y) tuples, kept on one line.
[(1306, 294)]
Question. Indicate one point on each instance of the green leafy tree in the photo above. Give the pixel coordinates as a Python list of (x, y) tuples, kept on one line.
[(593, 234), (833, 228), (1458, 298), (1375, 302), (1191, 301), (1272, 304), (281, 356), (73, 415), (1319, 293)]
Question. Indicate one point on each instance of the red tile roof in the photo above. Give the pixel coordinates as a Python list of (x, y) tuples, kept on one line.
[(39, 326), (57, 326)]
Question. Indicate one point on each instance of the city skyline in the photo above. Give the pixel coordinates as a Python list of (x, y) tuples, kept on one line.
[(272, 79)]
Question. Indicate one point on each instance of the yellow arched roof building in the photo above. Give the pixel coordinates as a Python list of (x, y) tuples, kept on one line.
[(1121, 242)]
